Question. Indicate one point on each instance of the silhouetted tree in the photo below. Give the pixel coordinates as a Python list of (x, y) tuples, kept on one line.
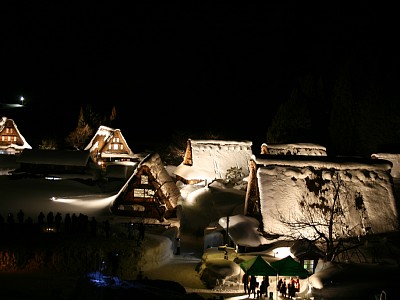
[(292, 122), (49, 144), (342, 126), (82, 133), (322, 218), (113, 115)]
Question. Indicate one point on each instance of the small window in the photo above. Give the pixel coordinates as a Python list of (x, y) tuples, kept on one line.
[(143, 193), (138, 193), (149, 193), (144, 179), (309, 265)]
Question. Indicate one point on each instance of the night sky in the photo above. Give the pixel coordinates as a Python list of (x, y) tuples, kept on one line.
[(185, 65)]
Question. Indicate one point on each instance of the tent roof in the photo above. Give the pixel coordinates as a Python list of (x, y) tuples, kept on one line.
[(289, 267), (258, 266)]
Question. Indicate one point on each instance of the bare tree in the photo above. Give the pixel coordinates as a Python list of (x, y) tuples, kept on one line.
[(323, 217), (81, 134), (48, 143), (113, 115)]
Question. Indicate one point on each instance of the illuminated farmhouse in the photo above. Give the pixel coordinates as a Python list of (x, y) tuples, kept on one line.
[(278, 185), (11, 140)]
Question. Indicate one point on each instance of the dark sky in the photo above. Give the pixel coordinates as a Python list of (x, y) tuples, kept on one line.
[(179, 65)]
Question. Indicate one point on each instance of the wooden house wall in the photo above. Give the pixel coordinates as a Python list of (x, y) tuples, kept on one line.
[(154, 207), (122, 146), (11, 135)]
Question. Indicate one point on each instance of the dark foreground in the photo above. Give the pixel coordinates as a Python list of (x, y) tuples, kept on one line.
[(32, 286)]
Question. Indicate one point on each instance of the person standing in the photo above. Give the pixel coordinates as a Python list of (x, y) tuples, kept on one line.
[(283, 289), (253, 285), (262, 290), (57, 221), (10, 221), (20, 217), (264, 286), (296, 283), (278, 286), (245, 281), (50, 220), (40, 221), (67, 223)]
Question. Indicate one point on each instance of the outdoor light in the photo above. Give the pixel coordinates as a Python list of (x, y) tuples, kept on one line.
[(22, 100)]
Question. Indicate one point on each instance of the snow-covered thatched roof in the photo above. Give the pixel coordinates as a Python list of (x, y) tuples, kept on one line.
[(153, 164), (366, 190), (294, 149), (211, 159), (394, 158), (102, 138), (167, 184)]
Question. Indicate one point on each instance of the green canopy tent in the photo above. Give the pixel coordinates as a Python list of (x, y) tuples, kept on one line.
[(257, 266), (289, 267)]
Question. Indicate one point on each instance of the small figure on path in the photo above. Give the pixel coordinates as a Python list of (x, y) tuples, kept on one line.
[(245, 281)]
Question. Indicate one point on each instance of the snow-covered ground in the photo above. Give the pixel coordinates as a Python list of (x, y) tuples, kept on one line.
[(202, 207)]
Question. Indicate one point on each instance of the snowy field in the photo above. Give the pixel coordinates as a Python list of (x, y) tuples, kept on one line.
[(202, 206)]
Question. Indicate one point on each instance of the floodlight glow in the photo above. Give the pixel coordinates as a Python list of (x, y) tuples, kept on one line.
[(282, 252), (22, 100), (87, 201)]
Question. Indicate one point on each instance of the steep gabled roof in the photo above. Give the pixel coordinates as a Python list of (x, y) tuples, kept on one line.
[(211, 159), (21, 143), (167, 192), (168, 186), (102, 140), (101, 137)]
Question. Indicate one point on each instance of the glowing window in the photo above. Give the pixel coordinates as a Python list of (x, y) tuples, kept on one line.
[(143, 193), (138, 193), (309, 265), (144, 179)]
